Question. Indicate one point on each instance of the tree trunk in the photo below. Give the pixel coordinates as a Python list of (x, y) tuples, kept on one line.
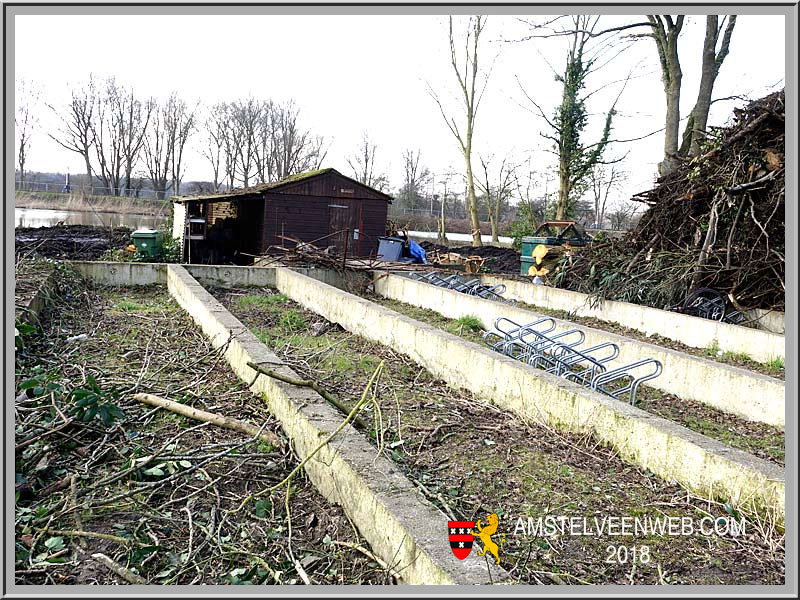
[(496, 221), (712, 61), (672, 88), (472, 203), (88, 171), (562, 208), (665, 34)]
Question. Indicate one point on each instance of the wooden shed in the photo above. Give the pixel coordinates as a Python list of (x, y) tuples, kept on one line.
[(321, 207)]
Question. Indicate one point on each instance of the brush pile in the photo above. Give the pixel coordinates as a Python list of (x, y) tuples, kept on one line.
[(716, 221)]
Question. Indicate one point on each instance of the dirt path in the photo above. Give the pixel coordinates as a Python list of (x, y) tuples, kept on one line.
[(471, 460)]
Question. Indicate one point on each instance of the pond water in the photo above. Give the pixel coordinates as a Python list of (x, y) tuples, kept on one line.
[(45, 217)]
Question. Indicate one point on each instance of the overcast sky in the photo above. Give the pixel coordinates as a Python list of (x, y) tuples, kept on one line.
[(350, 74)]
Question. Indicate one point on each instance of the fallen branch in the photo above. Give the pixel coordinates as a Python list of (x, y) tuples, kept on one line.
[(123, 572), (207, 417), (91, 534)]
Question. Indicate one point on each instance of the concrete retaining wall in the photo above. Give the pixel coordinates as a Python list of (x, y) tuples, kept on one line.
[(762, 346), (226, 276), (124, 274), (403, 528), (738, 391), (675, 453), (773, 321)]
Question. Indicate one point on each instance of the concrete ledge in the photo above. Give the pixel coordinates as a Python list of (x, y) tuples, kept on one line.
[(731, 389), (773, 321), (675, 453), (226, 276), (401, 526), (760, 345), (125, 274)]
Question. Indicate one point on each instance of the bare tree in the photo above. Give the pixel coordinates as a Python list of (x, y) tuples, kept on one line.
[(134, 116), (170, 127), (416, 177), (76, 120), (106, 128), (468, 77), (291, 148), (157, 151), (214, 143), (604, 179), (230, 143), (665, 32), (26, 102), (713, 57), (181, 124), (246, 117), (363, 165), (623, 217), (497, 194)]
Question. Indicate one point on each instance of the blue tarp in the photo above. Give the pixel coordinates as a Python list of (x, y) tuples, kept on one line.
[(415, 250)]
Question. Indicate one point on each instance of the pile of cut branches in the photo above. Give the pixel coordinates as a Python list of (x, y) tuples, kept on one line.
[(716, 221)]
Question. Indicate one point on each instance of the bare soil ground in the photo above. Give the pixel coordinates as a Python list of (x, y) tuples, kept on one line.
[(161, 495), (74, 242), (759, 439), (472, 459)]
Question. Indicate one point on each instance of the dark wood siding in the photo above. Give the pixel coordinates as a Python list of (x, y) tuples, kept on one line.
[(310, 218), (331, 185), (299, 216)]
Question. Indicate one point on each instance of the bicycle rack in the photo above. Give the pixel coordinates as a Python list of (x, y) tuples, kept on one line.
[(472, 287), (563, 355)]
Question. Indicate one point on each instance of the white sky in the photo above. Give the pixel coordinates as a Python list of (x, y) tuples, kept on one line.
[(349, 74)]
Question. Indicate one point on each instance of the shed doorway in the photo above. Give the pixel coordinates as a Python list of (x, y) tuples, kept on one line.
[(344, 227)]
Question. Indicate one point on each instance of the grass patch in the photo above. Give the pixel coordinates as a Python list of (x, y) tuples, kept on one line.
[(776, 364), (293, 320), (131, 306), (262, 301), (470, 322), (738, 356)]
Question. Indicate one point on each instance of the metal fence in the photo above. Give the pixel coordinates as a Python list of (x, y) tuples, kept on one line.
[(61, 188)]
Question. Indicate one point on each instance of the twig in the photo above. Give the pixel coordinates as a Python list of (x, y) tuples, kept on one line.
[(309, 384), (324, 442)]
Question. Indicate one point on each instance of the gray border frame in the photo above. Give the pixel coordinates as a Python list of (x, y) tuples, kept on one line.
[(790, 12)]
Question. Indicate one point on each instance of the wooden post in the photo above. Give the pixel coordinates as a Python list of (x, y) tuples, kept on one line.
[(346, 239)]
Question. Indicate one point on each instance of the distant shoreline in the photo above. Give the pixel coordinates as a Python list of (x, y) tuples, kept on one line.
[(97, 204)]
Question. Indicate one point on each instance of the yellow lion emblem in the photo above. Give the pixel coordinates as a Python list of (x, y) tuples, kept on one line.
[(485, 534)]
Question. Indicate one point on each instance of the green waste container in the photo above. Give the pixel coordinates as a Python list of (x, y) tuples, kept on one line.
[(525, 263), (148, 242)]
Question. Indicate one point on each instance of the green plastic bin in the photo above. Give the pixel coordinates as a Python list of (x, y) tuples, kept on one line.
[(525, 263), (148, 242)]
